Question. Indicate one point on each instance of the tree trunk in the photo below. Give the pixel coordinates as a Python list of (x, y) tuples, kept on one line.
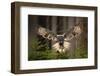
[(71, 23)]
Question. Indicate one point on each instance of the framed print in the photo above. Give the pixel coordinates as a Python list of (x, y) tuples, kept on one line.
[(52, 37)]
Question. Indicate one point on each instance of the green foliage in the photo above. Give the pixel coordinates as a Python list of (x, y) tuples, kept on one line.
[(40, 51), (81, 52)]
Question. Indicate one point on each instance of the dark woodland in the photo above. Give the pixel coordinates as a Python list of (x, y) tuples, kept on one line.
[(40, 48)]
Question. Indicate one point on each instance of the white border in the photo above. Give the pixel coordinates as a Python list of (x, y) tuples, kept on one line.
[(25, 64)]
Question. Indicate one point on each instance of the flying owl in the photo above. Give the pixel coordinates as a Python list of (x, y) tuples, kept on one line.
[(61, 43)]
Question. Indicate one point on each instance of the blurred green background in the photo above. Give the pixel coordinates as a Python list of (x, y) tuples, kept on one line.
[(38, 51), (40, 48)]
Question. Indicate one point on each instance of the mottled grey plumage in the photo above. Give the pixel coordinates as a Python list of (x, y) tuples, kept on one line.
[(61, 42)]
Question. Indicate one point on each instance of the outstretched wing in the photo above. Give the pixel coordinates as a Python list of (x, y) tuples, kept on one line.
[(45, 33), (73, 32)]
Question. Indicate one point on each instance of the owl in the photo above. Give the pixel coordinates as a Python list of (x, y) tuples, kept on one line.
[(61, 43)]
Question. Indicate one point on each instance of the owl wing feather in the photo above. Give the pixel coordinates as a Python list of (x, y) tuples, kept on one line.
[(45, 33), (73, 32)]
